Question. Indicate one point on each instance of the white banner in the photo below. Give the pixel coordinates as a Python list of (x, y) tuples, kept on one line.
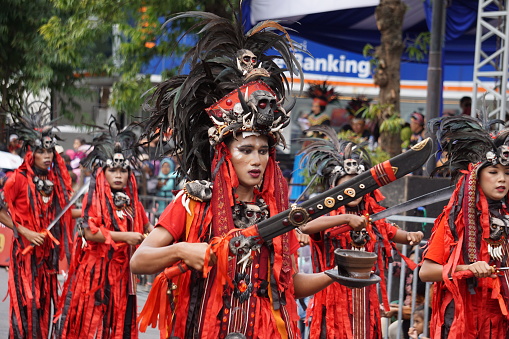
[(285, 9)]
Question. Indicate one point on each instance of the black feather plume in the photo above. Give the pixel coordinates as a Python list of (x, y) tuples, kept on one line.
[(33, 124), (111, 140), (326, 155), (177, 105), (464, 139)]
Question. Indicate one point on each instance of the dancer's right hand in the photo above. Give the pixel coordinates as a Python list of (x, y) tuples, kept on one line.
[(480, 269), (35, 238), (193, 254), (356, 222), (133, 238)]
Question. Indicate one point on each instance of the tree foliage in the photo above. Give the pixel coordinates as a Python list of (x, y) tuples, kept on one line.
[(135, 25), (50, 49), (27, 65)]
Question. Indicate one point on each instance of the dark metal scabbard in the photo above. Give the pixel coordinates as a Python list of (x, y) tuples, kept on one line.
[(330, 200)]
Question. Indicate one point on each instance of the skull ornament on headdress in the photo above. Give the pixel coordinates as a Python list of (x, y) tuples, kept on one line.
[(246, 60), (253, 107), (503, 155), (332, 158), (118, 161), (48, 142), (114, 148), (34, 128)]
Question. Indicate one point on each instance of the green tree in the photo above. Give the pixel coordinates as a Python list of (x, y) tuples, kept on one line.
[(27, 64), (137, 35), (386, 60)]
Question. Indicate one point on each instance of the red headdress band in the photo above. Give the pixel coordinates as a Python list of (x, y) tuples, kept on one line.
[(252, 107)]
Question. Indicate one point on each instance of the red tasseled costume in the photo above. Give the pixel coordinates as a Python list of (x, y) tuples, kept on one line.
[(482, 314), (99, 298), (331, 311), (198, 307), (33, 285)]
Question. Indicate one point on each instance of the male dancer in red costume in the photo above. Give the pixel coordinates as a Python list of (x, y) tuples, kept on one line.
[(37, 191), (230, 111)]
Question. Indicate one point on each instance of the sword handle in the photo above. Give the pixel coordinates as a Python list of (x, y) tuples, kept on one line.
[(176, 270), (28, 249), (463, 274), (470, 274)]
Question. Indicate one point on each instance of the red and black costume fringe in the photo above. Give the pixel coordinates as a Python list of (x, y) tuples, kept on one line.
[(338, 311), (99, 298), (33, 285)]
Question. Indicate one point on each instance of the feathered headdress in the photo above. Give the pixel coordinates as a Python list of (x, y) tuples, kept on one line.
[(233, 85), (34, 127), (356, 104), (114, 147), (322, 93), (467, 140), (332, 158)]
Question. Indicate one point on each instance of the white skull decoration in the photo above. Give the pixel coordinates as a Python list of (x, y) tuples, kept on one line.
[(351, 166), (262, 104), (48, 142), (503, 155), (246, 60), (491, 157), (118, 161), (121, 199)]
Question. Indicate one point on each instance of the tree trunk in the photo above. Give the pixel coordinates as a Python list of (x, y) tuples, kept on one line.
[(389, 18)]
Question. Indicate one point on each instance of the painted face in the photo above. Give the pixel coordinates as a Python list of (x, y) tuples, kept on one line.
[(43, 158), (494, 181), (418, 324), (165, 168), (344, 179), (249, 159), (116, 177)]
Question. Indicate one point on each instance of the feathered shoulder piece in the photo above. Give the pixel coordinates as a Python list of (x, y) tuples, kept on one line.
[(323, 93), (34, 127), (466, 140), (233, 85), (114, 147), (332, 158)]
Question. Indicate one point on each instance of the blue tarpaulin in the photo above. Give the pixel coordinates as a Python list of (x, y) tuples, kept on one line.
[(351, 29)]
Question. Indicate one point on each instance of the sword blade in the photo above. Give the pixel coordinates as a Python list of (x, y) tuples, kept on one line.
[(423, 200), (73, 200)]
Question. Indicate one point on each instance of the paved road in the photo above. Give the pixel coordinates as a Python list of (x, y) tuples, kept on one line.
[(4, 309)]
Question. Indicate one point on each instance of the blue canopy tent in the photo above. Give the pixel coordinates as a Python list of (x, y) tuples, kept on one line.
[(351, 29)]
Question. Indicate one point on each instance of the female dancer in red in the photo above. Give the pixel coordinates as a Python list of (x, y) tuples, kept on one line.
[(469, 238), (99, 298), (339, 311)]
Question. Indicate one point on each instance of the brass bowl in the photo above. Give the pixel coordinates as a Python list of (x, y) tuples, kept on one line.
[(355, 264)]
